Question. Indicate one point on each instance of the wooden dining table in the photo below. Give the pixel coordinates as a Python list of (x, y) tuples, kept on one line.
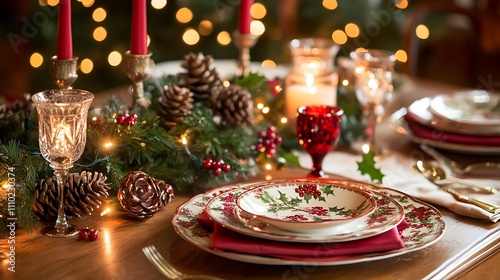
[(467, 249)]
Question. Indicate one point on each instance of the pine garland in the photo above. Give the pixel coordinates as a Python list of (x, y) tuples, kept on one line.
[(144, 145), (26, 167)]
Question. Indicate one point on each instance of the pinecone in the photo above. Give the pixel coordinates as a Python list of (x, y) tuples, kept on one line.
[(175, 104), (83, 193), (200, 77), (141, 196), (233, 105)]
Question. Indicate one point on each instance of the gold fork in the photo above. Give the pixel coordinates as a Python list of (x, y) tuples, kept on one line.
[(167, 269)]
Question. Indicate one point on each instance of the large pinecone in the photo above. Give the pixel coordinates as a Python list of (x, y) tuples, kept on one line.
[(200, 77), (233, 105), (141, 196), (83, 193), (175, 104)]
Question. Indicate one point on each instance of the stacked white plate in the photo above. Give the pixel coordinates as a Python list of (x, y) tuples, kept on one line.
[(466, 122), (280, 211)]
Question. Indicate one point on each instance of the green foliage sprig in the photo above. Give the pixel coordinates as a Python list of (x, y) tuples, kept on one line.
[(173, 154)]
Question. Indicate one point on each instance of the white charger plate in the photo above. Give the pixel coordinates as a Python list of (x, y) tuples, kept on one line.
[(426, 226), (388, 214)]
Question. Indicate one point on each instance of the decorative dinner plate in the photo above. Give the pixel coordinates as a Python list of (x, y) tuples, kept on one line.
[(306, 206), (398, 124), (475, 107), (426, 226), (421, 113), (387, 215)]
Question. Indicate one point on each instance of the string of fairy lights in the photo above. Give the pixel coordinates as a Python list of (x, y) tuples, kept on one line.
[(194, 30)]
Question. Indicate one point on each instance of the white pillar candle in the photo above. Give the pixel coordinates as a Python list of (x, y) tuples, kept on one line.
[(309, 94)]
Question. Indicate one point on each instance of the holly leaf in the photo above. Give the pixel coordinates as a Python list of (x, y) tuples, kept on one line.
[(367, 166), (283, 197), (251, 81), (327, 190)]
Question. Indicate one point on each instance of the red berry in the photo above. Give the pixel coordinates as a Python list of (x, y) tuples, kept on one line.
[(217, 171), (271, 152), (261, 134), (272, 136), (278, 140), (93, 234), (226, 168), (207, 163), (218, 164), (120, 119), (271, 129), (259, 146), (84, 233), (134, 117), (267, 143)]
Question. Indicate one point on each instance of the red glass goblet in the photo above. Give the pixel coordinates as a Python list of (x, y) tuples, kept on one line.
[(318, 130)]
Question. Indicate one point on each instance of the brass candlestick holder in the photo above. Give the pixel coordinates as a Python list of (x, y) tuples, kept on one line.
[(64, 72), (137, 70), (244, 42)]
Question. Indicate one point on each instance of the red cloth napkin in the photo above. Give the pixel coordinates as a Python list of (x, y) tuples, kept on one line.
[(433, 134), (227, 240)]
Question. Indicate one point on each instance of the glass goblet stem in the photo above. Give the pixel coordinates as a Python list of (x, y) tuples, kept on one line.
[(371, 124), (317, 169), (61, 222)]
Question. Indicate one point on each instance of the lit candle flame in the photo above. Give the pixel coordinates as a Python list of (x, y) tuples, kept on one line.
[(373, 84), (61, 143), (310, 83)]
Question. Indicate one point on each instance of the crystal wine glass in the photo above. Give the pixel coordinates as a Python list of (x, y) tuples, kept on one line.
[(373, 73), (318, 130), (62, 120)]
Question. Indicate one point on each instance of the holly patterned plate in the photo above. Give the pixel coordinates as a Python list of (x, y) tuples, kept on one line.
[(306, 206), (474, 107), (388, 214), (426, 226)]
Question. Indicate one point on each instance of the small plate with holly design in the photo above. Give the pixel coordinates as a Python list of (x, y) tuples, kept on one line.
[(222, 209), (306, 206)]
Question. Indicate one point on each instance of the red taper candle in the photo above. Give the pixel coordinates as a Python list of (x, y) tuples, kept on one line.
[(64, 38), (139, 38), (245, 18)]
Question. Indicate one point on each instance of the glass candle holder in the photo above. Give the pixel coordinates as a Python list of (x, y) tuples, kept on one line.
[(313, 79), (373, 74), (62, 120)]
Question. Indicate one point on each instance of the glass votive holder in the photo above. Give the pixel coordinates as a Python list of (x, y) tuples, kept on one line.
[(312, 79)]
